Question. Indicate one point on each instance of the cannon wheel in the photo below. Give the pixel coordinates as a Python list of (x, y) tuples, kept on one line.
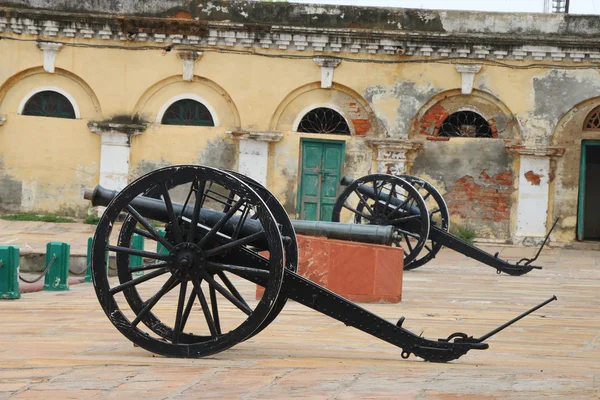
[(194, 261), (291, 249), (369, 211), (439, 216)]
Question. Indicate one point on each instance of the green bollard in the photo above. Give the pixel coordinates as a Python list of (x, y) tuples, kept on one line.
[(88, 261), (137, 242), (57, 277), (160, 249), (9, 272)]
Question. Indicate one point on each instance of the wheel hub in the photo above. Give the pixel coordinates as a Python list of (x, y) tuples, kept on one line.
[(187, 261)]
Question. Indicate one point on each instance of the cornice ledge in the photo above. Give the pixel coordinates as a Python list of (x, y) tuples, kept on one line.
[(257, 135), (110, 127), (393, 144)]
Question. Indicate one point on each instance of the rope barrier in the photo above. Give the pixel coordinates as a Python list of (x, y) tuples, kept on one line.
[(43, 273)]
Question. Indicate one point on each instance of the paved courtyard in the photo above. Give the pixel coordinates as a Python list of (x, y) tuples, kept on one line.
[(60, 345)]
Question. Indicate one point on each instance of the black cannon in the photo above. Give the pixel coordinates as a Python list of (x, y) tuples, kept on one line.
[(222, 230), (399, 201)]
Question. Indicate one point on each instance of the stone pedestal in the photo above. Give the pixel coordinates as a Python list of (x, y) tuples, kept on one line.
[(394, 156), (115, 151), (254, 153), (357, 271), (534, 192)]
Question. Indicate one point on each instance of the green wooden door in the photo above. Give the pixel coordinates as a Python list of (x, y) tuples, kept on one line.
[(321, 172), (588, 216)]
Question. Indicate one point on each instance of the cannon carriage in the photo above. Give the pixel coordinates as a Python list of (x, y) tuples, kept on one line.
[(222, 229)]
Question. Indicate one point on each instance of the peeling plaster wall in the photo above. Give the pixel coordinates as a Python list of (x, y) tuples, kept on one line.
[(475, 176)]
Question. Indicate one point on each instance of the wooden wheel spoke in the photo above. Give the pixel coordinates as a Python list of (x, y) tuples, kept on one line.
[(179, 313), (197, 207), (237, 269), (241, 222), (137, 281), (135, 252), (221, 222), (188, 309), (410, 247), (231, 287), (407, 233), (233, 299), (236, 243), (390, 195), (172, 217), (209, 320), (153, 300), (215, 309), (364, 201), (156, 236), (148, 267), (355, 211), (400, 206)]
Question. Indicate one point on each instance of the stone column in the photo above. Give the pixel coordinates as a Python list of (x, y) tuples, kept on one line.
[(534, 192), (394, 156), (254, 153), (115, 152)]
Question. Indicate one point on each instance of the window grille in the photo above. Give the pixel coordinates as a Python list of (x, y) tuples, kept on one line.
[(592, 123), (466, 124), (49, 103), (324, 120), (188, 112)]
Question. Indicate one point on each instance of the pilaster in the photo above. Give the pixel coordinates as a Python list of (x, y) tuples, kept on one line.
[(254, 153), (534, 192), (394, 156), (115, 151)]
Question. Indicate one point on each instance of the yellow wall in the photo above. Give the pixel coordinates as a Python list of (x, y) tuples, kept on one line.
[(51, 160)]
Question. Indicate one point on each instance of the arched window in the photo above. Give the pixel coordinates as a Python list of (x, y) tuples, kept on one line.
[(49, 103), (188, 112), (324, 120), (466, 124), (592, 122)]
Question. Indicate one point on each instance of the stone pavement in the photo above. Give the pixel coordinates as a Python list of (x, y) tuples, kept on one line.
[(60, 345)]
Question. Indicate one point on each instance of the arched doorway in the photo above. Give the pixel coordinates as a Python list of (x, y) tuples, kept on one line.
[(588, 215)]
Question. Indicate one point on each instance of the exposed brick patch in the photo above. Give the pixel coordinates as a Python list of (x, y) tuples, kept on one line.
[(533, 178), (489, 201), (433, 118), (182, 15), (361, 126)]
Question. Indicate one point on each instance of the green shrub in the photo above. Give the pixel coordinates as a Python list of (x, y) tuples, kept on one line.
[(464, 233), (91, 219), (36, 217)]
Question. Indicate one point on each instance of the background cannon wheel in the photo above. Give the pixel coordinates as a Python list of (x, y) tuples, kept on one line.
[(204, 257), (399, 204), (439, 216)]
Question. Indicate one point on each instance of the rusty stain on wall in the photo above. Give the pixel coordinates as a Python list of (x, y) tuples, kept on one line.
[(533, 178)]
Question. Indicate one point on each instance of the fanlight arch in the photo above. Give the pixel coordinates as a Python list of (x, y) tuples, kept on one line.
[(49, 102), (187, 110), (592, 121), (466, 124), (323, 120)]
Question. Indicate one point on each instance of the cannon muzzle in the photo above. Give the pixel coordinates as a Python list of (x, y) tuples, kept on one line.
[(156, 209)]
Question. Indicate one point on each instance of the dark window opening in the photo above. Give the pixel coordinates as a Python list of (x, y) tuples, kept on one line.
[(466, 124), (188, 112), (324, 120), (49, 104)]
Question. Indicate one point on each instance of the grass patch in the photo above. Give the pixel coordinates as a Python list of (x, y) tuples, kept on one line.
[(466, 234), (91, 220), (37, 217)]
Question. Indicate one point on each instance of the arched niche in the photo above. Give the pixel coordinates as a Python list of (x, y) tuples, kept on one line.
[(345, 101), (19, 88), (435, 112), (155, 101)]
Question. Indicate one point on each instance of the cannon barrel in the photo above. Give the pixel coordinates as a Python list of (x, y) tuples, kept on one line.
[(156, 209), (370, 193)]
